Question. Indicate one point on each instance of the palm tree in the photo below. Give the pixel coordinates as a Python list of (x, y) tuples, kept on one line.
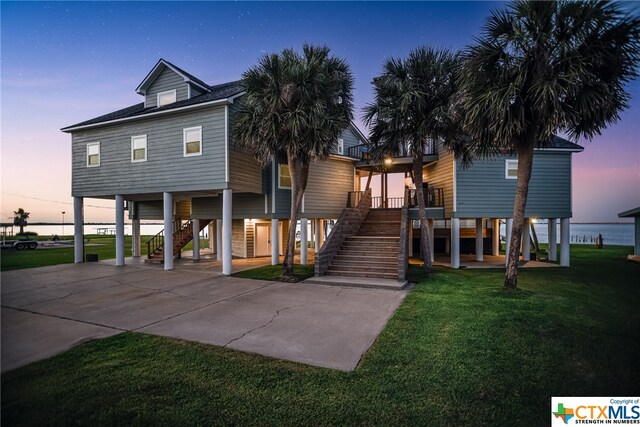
[(412, 109), (20, 219), (541, 68), (296, 107)]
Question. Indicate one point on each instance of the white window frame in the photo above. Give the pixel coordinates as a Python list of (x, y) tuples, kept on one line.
[(283, 187), (93, 144), (166, 92), (133, 147), (184, 141), (508, 165), (340, 146)]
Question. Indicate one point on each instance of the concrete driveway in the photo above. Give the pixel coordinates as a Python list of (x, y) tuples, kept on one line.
[(48, 310)]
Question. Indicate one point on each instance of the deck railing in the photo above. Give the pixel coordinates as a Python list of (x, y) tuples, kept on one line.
[(363, 151)]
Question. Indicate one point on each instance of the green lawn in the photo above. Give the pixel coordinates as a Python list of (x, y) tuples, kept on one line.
[(104, 246), (459, 351), (276, 273)]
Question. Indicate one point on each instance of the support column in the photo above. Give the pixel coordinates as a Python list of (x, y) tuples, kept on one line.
[(226, 231), (410, 238), (211, 245), (135, 238), (552, 238), (564, 242), (526, 240), (317, 238), (508, 239), (431, 239), (479, 241), (275, 244), (119, 230), (167, 210), (303, 241), (78, 230), (321, 223), (219, 239), (455, 242), (196, 239), (496, 237)]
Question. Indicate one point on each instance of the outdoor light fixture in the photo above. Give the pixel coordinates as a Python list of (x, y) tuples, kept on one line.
[(388, 161)]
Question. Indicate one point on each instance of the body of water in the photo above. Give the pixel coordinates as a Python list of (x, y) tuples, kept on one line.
[(613, 234)]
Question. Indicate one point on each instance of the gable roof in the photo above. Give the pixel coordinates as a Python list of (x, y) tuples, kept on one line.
[(160, 66), (216, 94), (561, 144), (631, 213)]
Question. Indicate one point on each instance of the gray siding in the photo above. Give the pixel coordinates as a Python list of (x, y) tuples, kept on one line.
[(245, 173), (167, 80), (440, 175), (166, 169), (484, 192), (327, 188), (350, 140), (243, 205), (150, 210), (238, 248), (195, 91), (249, 232)]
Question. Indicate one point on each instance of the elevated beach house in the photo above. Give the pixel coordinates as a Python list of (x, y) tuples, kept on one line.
[(172, 158)]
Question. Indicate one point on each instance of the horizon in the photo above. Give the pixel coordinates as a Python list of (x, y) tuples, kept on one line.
[(63, 63)]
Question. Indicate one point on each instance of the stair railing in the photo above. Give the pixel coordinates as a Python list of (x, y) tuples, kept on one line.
[(403, 252), (348, 224), (155, 243)]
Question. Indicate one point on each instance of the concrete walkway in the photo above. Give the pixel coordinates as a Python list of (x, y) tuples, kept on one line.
[(48, 310)]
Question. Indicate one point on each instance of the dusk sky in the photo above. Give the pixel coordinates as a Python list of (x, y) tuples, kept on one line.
[(63, 63)]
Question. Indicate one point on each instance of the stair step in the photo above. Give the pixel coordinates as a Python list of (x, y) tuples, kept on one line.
[(335, 272), (355, 266), (365, 259), (378, 254)]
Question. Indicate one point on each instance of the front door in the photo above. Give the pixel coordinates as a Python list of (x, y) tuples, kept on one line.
[(263, 240)]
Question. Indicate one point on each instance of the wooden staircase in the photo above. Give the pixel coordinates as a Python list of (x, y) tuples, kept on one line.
[(182, 235), (373, 250)]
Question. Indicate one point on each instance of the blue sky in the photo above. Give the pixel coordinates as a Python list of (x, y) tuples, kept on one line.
[(66, 62)]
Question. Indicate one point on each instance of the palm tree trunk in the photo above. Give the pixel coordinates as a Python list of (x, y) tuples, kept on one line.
[(525, 162), (299, 172), (424, 229)]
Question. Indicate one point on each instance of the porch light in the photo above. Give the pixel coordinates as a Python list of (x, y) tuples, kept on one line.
[(388, 160), (533, 220)]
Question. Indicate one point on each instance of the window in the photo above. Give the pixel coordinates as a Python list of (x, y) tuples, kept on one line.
[(139, 148), (284, 177), (166, 97), (511, 169), (192, 141), (93, 154), (340, 146)]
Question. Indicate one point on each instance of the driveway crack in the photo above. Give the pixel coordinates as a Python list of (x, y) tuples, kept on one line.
[(204, 306), (262, 326)]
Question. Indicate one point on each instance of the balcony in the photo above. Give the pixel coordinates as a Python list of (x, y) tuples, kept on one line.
[(401, 161), (433, 198)]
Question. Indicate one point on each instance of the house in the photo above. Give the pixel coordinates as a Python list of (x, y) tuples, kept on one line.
[(635, 214), (171, 158)]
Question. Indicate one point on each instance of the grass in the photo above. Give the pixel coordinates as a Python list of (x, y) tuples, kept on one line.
[(104, 246), (276, 273), (459, 351)]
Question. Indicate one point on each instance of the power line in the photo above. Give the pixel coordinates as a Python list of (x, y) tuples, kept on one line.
[(55, 201)]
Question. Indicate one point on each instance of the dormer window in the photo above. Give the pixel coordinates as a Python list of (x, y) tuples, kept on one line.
[(167, 97)]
